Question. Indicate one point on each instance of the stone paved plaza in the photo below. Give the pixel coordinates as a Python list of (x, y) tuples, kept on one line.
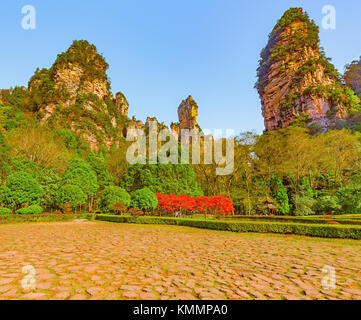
[(98, 260)]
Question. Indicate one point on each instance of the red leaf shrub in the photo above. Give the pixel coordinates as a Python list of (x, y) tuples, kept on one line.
[(214, 205), (119, 208)]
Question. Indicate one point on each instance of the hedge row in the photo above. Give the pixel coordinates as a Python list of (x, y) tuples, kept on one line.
[(314, 230), (34, 209), (295, 219), (20, 218), (4, 211)]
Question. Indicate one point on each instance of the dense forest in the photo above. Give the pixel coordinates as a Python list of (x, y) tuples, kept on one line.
[(47, 157), (302, 171)]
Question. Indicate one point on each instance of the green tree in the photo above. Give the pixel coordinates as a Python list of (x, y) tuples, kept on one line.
[(242, 184), (162, 178), (39, 145), (144, 199), (4, 158), (20, 189), (353, 76), (327, 204), (70, 194), (80, 173), (116, 161), (280, 195), (350, 198), (25, 165), (50, 182), (111, 195), (68, 137), (303, 205), (97, 163), (338, 153)]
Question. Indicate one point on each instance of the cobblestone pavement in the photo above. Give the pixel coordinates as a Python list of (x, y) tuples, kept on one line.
[(97, 260)]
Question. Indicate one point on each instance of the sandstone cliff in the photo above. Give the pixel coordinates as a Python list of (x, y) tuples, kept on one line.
[(187, 116), (296, 80), (121, 104), (75, 93)]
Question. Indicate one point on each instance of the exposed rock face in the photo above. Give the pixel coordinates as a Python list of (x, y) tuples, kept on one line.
[(121, 104), (134, 124), (188, 114), (150, 119), (295, 78), (160, 125), (69, 75), (175, 128), (75, 93)]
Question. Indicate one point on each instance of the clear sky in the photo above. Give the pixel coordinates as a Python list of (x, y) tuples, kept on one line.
[(160, 51)]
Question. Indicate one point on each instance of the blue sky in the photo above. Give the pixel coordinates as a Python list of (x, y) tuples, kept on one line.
[(160, 51)]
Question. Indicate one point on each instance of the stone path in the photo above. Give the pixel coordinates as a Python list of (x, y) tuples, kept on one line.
[(97, 260)]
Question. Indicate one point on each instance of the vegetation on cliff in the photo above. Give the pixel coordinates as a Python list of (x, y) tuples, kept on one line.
[(307, 35), (352, 76), (74, 93), (293, 53), (48, 133)]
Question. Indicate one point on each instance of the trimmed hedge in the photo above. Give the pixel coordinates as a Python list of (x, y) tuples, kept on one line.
[(314, 230), (4, 211), (34, 209), (309, 220), (22, 218)]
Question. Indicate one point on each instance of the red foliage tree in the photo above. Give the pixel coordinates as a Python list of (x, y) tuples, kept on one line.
[(185, 204)]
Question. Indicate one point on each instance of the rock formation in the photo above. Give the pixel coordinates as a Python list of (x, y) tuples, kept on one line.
[(187, 116), (121, 104), (174, 126), (75, 93), (296, 80)]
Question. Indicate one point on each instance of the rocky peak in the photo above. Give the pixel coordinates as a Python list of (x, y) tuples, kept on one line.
[(121, 104), (174, 126), (295, 79), (75, 93), (77, 72), (188, 114)]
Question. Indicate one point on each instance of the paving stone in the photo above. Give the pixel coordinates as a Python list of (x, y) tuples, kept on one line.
[(148, 296), (6, 281), (93, 290), (3, 289), (62, 295), (130, 295), (33, 295), (44, 285), (114, 261), (78, 297)]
